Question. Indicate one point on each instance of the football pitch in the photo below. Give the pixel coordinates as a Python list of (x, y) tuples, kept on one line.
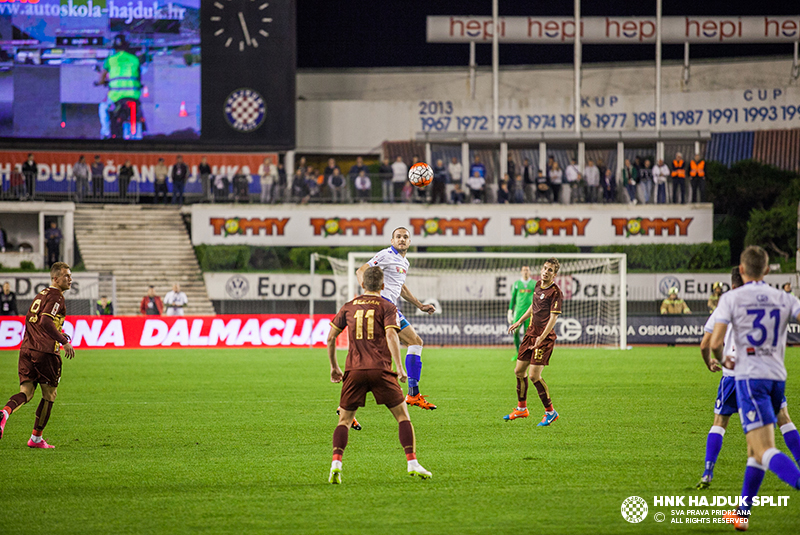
[(239, 440)]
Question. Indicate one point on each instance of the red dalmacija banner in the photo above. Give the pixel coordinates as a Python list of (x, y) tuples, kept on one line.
[(144, 332)]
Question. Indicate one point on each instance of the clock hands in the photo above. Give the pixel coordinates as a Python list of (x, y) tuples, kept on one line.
[(244, 28)]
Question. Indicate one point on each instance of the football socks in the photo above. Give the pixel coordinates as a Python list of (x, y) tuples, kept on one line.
[(544, 394), (792, 439), (522, 390), (414, 368), (713, 447), (17, 400), (753, 476), (406, 433), (339, 441), (782, 466), (42, 415)]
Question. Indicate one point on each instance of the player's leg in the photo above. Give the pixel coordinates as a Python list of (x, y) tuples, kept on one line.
[(410, 338), (42, 416), (789, 431), (724, 406), (26, 389), (713, 447), (356, 426), (540, 359), (521, 374), (346, 418), (408, 440)]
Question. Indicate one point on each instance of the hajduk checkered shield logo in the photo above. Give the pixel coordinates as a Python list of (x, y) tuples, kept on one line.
[(245, 110), (634, 509)]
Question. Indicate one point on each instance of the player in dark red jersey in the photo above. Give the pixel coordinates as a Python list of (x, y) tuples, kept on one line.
[(373, 327), (537, 345), (39, 356)]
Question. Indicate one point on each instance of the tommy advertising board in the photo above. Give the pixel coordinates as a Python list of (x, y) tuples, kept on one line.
[(142, 332), (468, 225)]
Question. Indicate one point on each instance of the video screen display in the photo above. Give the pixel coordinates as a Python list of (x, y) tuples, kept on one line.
[(100, 69)]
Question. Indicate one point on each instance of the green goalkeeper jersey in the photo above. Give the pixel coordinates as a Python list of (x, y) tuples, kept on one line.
[(521, 296)]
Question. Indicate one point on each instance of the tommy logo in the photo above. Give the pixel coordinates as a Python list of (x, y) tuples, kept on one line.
[(538, 226), (235, 225), (455, 226), (400, 270), (643, 226), (336, 225)]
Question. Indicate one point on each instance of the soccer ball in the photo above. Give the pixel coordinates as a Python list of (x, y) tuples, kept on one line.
[(420, 175)]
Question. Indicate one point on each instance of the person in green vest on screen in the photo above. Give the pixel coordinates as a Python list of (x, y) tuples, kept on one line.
[(122, 73)]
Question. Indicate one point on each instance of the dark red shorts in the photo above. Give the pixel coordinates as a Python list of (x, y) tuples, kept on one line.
[(40, 368), (382, 384), (541, 355)]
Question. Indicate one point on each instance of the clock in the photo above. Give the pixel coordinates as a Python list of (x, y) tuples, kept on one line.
[(241, 24)]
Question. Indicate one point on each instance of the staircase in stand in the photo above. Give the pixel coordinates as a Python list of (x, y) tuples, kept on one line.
[(141, 246)]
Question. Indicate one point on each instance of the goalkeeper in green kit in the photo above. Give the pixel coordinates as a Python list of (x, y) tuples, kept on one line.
[(521, 297)]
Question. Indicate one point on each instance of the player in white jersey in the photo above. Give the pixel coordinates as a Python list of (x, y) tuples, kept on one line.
[(395, 267), (759, 317), (725, 404)]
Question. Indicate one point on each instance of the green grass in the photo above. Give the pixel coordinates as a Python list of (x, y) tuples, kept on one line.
[(235, 441)]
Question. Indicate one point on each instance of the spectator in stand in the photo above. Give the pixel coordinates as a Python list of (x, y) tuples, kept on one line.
[(518, 191), (326, 174), (160, 187), (609, 185), (476, 185), (151, 304), (8, 301), (98, 181), (713, 299), (555, 176), (179, 175), (268, 176), (355, 169), (221, 187), (660, 174), (279, 191), (399, 177), (529, 181), (630, 176), (385, 172), (592, 175), (338, 186), (544, 191), (363, 186), (678, 178), (511, 167), (457, 196), (124, 178), (53, 239), (454, 171), (574, 186), (646, 180), (204, 170), (313, 181), (503, 193), (31, 171), (477, 167), (439, 183), (673, 305), (104, 307), (175, 301), (697, 172), (81, 174), (300, 191)]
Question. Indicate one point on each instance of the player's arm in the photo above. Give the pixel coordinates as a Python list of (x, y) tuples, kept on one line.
[(336, 371), (512, 303), (717, 340), (360, 274), (406, 294), (393, 339), (547, 328), (705, 351), (514, 326)]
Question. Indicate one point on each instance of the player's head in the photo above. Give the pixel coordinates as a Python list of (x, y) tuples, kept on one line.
[(736, 278), (401, 239), (550, 270), (754, 262), (525, 271), (373, 279), (61, 276)]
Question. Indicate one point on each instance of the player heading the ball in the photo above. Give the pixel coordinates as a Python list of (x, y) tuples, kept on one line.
[(373, 324)]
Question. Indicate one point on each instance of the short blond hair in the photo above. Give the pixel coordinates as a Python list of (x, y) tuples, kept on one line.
[(57, 268)]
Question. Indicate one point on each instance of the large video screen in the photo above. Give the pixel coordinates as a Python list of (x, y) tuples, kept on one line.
[(100, 69)]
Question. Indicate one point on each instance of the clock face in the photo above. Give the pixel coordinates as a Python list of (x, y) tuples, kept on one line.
[(241, 24)]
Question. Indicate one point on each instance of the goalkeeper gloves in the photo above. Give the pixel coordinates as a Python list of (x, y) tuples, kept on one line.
[(510, 317)]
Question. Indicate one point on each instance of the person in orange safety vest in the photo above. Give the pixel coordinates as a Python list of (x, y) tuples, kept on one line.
[(678, 178), (697, 172)]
